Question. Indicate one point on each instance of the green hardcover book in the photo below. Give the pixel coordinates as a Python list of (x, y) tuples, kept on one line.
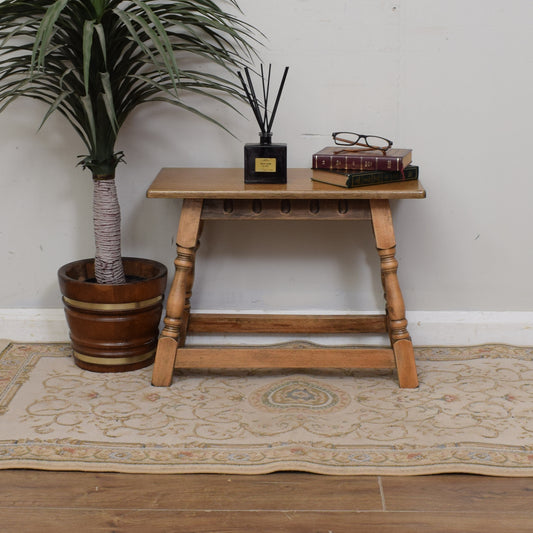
[(363, 178)]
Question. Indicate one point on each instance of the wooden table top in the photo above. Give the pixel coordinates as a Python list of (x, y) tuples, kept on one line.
[(229, 183)]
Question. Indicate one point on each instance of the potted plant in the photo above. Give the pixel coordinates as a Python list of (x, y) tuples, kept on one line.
[(95, 61)]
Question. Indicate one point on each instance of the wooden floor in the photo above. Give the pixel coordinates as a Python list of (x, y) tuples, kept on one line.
[(36, 501)]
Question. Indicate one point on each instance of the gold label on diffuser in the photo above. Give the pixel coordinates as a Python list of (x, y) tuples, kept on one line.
[(265, 164)]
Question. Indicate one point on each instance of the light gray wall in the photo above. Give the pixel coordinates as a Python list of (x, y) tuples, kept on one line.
[(451, 79)]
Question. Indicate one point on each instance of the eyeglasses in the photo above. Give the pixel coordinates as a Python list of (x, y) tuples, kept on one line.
[(368, 142)]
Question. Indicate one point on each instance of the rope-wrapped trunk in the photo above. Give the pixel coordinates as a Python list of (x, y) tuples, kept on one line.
[(106, 219)]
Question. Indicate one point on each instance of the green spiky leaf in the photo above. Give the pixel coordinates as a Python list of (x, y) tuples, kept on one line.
[(95, 61)]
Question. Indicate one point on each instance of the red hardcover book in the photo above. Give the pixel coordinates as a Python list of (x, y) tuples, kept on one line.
[(335, 158)]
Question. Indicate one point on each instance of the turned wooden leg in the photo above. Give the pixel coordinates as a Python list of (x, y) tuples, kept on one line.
[(184, 323), (186, 242), (396, 321)]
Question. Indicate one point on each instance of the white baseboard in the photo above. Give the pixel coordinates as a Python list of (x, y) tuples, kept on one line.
[(427, 328), (33, 325), (470, 328)]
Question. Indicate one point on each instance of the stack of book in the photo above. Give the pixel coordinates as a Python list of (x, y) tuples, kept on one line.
[(359, 169)]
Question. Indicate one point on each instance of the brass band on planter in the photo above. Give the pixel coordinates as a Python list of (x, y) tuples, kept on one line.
[(108, 361), (128, 306)]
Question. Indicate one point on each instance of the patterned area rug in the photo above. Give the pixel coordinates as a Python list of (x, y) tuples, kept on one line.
[(472, 413)]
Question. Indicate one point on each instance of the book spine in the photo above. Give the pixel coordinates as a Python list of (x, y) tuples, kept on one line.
[(357, 162), (409, 173)]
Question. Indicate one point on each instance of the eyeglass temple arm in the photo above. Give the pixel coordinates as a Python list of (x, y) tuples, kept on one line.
[(359, 150), (360, 144), (344, 140), (355, 144)]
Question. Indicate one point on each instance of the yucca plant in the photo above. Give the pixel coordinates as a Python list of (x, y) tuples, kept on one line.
[(95, 61)]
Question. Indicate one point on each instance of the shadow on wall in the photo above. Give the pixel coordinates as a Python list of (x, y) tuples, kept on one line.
[(277, 265)]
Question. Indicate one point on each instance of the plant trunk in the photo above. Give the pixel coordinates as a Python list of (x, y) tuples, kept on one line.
[(106, 219)]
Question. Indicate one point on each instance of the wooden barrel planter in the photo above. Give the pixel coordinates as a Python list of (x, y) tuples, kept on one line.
[(113, 328)]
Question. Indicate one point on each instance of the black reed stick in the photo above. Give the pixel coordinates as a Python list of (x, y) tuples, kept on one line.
[(266, 91), (253, 103), (263, 120), (277, 99), (254, 99)]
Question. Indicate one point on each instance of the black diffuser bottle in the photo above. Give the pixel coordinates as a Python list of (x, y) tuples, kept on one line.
[(264, 162)]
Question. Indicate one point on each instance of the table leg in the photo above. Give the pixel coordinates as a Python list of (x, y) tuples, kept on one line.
[(176, 314), (396, 321), (188, 293)]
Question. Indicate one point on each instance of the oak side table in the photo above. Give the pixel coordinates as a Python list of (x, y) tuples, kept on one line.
[(220, 194)]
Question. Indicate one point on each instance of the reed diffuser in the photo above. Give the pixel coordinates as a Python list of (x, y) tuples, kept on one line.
[(264, 162)]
